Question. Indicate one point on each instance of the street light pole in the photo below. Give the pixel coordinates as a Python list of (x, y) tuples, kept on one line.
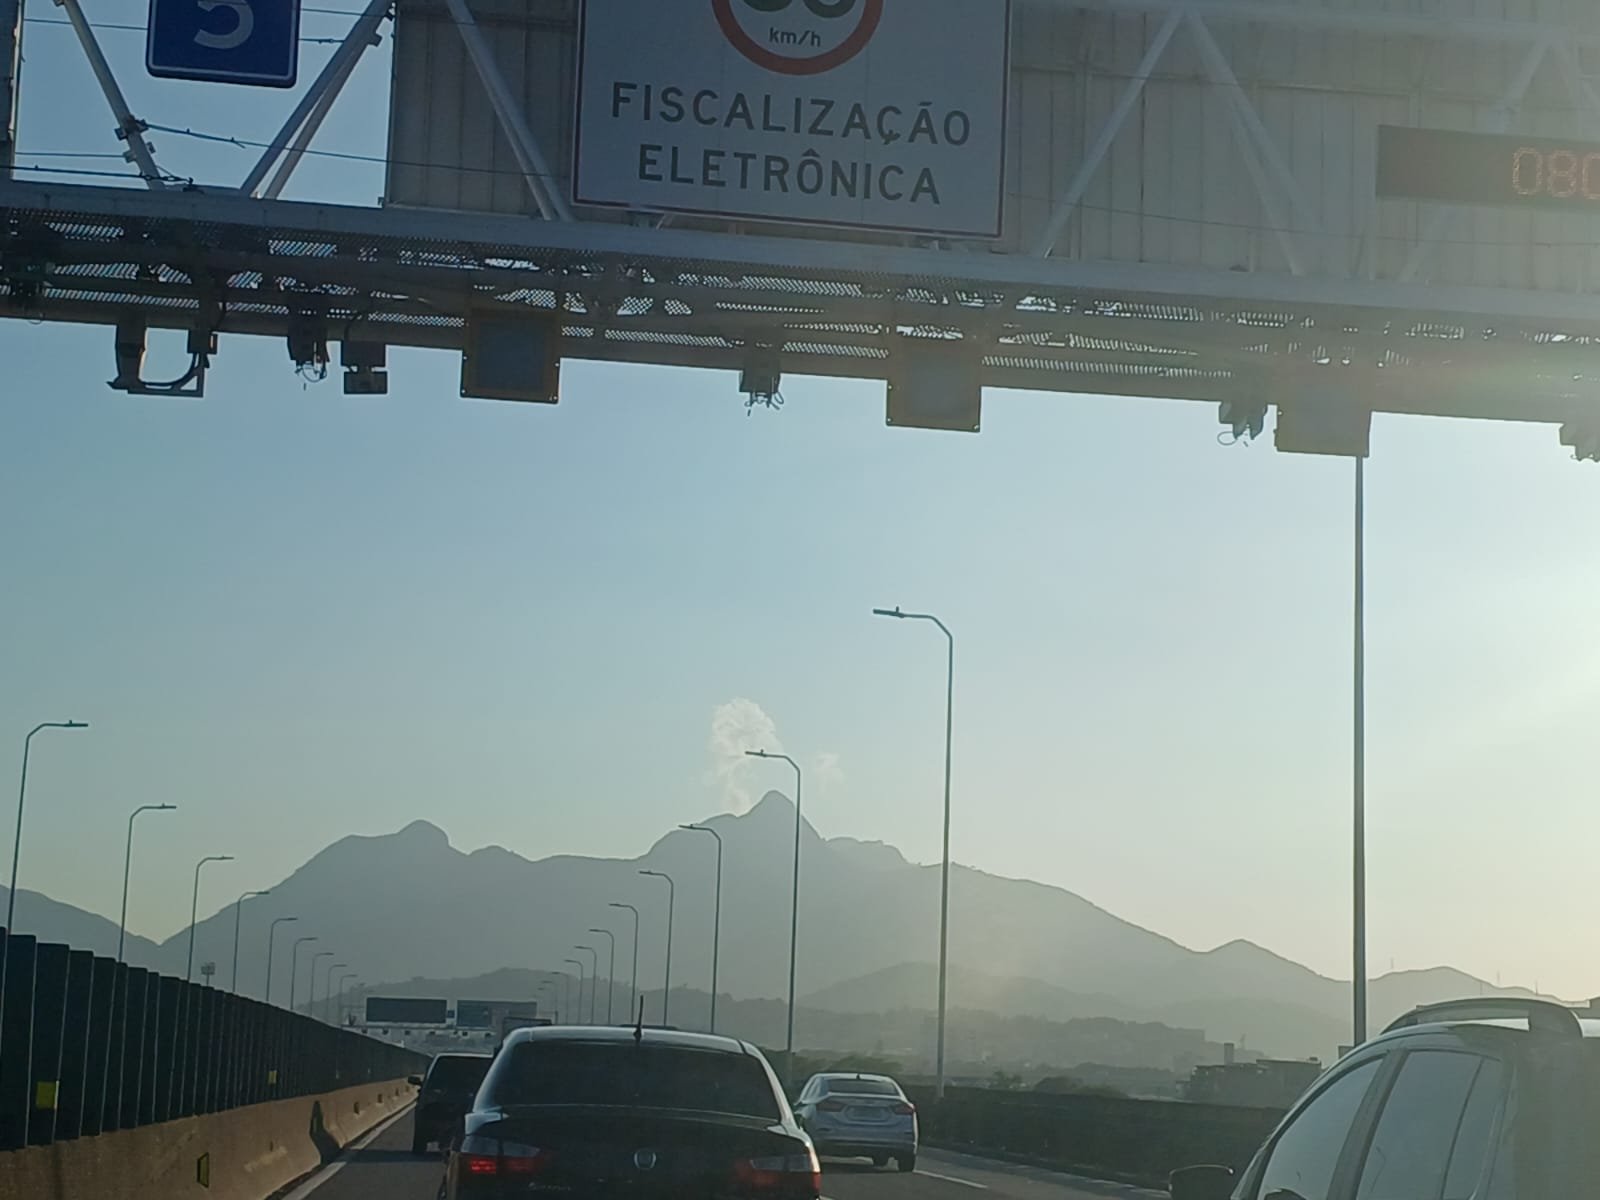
[(594, 979), (1359, 798), (294, 965), (272, 932), (633, 982), (122, 934), (238, 907), (354, 982), (944, 868), (27, 742), (611, 973), (577, 1013), (794, 914), (672, 902), (127, 866), (716, 921), (194, 908), (22, 796), (335, 1002), (311, 990)]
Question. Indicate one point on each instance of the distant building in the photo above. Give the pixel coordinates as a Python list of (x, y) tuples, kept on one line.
[(1266, 1083)]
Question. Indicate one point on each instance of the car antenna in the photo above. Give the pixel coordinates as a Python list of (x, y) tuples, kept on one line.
[(638, 1029)]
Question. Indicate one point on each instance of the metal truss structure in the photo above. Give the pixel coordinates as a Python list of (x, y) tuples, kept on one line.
[(244, 261)]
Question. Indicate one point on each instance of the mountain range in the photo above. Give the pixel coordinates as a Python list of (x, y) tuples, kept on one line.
[(57, 922), (408, 905)]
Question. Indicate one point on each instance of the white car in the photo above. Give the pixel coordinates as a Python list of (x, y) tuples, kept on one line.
[(859, 1116)]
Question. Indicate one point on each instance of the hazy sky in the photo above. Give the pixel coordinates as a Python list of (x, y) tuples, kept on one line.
[(299, 616)]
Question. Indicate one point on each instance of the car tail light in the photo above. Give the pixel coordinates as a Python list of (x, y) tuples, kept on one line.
[(780, 1172), (831, 1106), (905, 1109), (482, 1156)]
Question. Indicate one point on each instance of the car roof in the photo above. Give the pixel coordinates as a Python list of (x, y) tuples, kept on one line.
[(1513, 1014), (1588, 1027), (855, 1075), (600, 1034), (462, 1054)]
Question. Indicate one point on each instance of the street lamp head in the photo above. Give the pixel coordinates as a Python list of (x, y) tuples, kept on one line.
[(599, 930), (889, 612), (74, 724), (163, 807), (756, 754)]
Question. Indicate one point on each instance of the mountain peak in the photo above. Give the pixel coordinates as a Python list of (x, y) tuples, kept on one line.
[(772, 802), (420, 831)]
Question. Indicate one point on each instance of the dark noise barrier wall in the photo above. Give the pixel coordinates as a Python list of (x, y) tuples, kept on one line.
[(91, 1048), (1138, 1141)]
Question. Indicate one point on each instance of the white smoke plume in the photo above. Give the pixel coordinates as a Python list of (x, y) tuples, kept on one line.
[(828, 769), (738, 726)]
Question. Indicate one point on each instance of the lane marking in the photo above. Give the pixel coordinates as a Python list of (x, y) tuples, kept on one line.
[(1048, 1175), (339, 1164), (982, 1187)]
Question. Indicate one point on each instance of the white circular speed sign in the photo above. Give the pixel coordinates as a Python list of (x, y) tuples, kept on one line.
[(799, 37)]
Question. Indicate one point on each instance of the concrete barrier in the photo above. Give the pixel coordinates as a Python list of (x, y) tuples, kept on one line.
[(243, 1154)]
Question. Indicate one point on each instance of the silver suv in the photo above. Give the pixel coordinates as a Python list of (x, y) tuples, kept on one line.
[(1485, 1099)]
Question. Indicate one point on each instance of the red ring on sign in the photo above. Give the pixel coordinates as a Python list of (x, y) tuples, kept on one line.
[(871, 15)]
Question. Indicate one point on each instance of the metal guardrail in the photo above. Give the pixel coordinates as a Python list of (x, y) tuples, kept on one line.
[(89, 1045)]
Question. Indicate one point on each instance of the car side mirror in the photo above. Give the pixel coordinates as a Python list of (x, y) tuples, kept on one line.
[(414, 1080), (1208, 1182)]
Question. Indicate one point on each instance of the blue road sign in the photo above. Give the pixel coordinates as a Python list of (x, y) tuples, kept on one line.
[(225, 41)]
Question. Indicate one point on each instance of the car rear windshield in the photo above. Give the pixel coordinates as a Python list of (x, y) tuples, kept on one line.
[(862, 1087), (626, 1075), (457, 1074)]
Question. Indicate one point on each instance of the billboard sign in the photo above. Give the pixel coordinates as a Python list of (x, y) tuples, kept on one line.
[(878, 114), (475, 1014), (407, 1010)]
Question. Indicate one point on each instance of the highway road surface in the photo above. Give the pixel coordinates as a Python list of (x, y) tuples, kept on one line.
[(384, 1169)]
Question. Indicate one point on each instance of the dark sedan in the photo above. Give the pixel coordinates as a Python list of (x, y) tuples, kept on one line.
[(446, 1093), (593, 1113)]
